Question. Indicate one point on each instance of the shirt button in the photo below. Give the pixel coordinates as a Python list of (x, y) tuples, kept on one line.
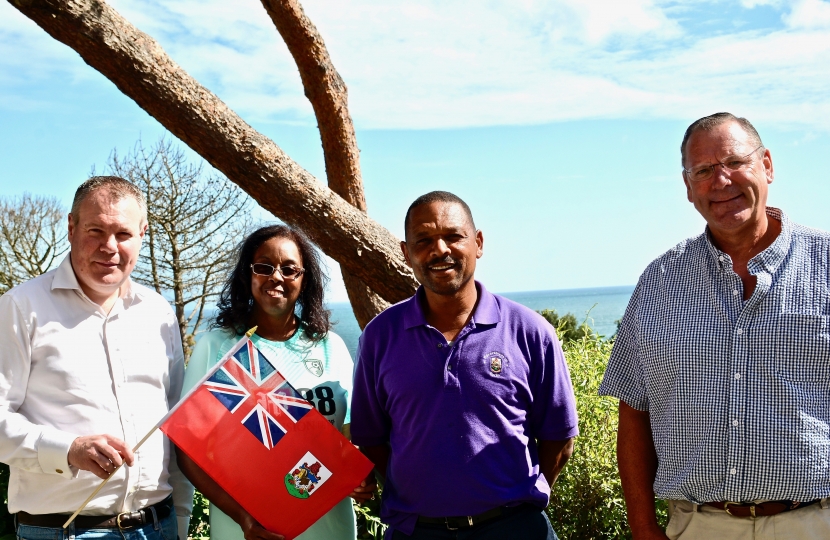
[(449, 368), (737, 375), (59, 471), (739, 331), (734, 423), (735, 292), (733, 471), (720, 258), (440, 345)]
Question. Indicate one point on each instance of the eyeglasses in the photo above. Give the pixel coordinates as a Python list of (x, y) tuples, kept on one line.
[(701, 173), (288, 272)]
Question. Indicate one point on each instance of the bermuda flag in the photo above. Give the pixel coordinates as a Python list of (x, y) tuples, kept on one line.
[(269, 448)]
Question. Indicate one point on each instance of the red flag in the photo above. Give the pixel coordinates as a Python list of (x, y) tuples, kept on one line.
[(268, 448)]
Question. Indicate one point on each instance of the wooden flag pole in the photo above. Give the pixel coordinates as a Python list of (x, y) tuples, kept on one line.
[(107, 479), (248, 334)]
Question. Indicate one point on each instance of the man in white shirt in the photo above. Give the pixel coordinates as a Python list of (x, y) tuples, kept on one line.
[(89, 362)]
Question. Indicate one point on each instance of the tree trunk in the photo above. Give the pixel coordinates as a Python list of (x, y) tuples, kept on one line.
[(141, 69), (328, 95)]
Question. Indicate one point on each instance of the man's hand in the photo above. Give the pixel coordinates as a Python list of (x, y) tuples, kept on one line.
[(366, 490), (254, 531), (99, 454)]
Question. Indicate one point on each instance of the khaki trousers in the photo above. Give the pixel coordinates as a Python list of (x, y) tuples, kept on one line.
[(692, 522)]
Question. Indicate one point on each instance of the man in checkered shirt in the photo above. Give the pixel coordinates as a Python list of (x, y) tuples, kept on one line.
[(722, 362)]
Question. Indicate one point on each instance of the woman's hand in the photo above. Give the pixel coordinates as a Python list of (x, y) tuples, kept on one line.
[(366, 490), (255, 531)]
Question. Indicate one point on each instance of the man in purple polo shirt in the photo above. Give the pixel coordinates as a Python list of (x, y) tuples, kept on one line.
[(461, 398)]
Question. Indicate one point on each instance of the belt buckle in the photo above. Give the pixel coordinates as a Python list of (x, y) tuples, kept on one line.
[(447, 523), (728, 503), (118, 521)]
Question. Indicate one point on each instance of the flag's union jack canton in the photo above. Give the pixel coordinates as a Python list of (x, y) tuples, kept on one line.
[(250, 387)]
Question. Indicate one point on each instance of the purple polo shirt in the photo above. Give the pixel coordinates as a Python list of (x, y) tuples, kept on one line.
[(461, 420)]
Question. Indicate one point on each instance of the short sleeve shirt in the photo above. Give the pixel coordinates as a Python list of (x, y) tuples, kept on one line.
[(738, 392), (461, 420)]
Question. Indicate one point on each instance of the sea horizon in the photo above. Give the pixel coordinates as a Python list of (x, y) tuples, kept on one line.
[(599, 307)]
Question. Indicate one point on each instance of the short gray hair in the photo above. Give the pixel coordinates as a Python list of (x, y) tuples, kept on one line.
[(116, 187), (708, 123)]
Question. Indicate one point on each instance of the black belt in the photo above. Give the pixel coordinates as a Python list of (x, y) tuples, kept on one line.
[(124, 520), (464, 522)]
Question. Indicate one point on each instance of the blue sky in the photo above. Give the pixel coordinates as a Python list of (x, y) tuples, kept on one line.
[(558, 121)]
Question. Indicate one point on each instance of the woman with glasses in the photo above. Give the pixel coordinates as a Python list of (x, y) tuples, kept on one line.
[(277, 285)]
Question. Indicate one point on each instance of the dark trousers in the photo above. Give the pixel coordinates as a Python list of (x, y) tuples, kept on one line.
[(529, 524)]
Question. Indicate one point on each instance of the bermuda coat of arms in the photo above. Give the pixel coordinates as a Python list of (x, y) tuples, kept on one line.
[(306, 477)]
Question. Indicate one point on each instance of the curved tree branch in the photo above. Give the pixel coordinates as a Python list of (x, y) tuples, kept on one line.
[(328, 95), (141, 69)]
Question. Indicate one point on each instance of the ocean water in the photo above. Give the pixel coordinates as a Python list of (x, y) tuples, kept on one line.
[(600, 307)]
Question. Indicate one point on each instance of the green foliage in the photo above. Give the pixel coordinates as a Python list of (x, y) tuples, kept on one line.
[(587, 501), (200, 519), (567, 327), (369, 526)]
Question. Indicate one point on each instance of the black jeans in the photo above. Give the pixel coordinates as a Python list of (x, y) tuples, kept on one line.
[(529, 524)]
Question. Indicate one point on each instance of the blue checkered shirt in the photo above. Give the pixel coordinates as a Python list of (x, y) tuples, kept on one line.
[(738, 392)]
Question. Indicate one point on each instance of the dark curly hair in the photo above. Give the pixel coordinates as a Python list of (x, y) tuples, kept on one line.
[(236, 301)]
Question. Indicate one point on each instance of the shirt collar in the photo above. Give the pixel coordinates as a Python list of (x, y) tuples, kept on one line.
[(486, 312), (65, 278), (769, 259), (772, 257)]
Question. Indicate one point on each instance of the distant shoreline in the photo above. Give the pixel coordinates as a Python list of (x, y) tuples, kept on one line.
[(599, 307)]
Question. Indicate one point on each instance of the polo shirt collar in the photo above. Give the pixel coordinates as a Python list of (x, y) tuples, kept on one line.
[(487, 311), (769, 259), (65, 278)]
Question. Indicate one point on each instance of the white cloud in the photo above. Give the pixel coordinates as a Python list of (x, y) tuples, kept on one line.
[(439, 64), (749, 4), (809, 14)]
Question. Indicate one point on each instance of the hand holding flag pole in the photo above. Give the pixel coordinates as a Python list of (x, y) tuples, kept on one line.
[(244, 339)]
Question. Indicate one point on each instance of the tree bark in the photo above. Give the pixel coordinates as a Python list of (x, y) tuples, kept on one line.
[(141, 69), (328, 95)]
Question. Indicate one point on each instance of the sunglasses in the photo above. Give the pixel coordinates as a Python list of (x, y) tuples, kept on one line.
[(288, 272)]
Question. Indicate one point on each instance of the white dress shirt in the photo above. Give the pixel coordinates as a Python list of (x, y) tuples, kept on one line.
[(68, 369)]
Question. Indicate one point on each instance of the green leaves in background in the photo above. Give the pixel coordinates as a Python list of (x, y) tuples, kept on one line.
[(199, 519), (587, 500)]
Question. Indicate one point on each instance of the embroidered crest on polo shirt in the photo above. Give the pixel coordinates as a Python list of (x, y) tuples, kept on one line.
[(315, 367), (496, 362), (306, 477)]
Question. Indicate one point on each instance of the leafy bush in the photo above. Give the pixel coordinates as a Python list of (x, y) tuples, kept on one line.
[(587, 500), (567, 326), (369, 526), (199, 519)]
